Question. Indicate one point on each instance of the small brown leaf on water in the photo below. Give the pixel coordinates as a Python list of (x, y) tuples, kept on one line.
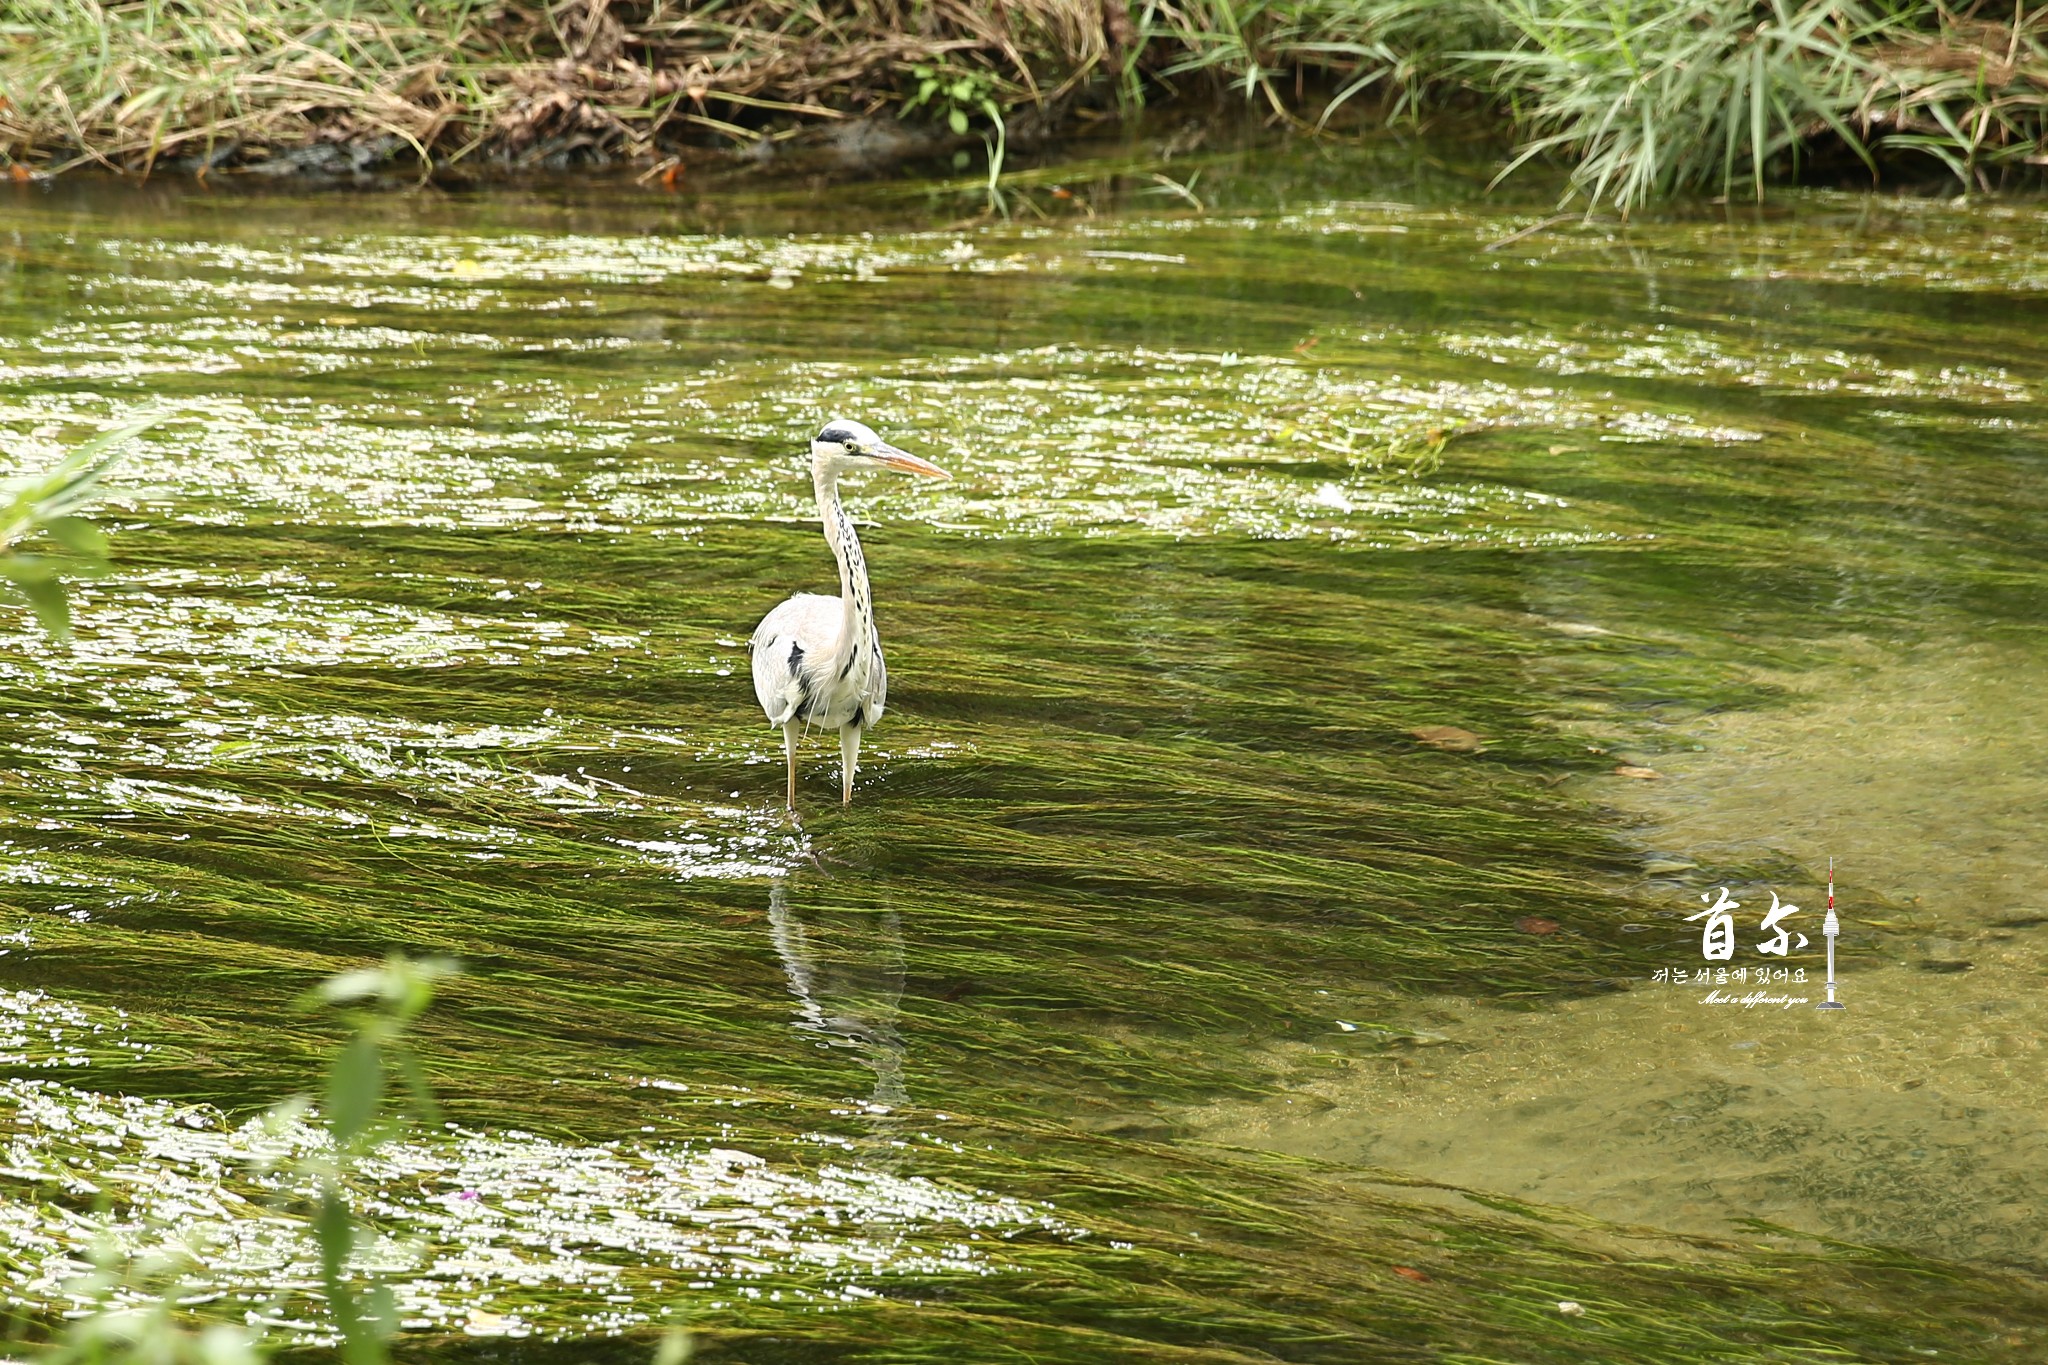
[(1409, 1272), (1536, 924), (1449, 738), (1630, 770)]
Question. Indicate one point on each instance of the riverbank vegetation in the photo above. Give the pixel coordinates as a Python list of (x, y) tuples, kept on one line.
[(1638, 98)]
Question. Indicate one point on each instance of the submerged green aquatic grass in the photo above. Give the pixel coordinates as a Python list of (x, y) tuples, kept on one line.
[(432, 641), (739, 1231)]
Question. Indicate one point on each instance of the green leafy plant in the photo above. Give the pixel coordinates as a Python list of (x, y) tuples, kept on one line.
[(955, 96), (380, 1002), (49, 505), (357, 1110), (132, 1334)]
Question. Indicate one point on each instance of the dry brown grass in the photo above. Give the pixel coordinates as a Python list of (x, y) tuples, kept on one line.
[(130, 82), (1972, 91)]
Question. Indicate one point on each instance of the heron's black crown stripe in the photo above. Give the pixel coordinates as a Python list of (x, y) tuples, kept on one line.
[(838, 434)]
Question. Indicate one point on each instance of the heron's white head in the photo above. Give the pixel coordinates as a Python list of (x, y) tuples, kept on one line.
[(845, 445)]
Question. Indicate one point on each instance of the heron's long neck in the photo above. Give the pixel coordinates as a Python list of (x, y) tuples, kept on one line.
[(856, 635)]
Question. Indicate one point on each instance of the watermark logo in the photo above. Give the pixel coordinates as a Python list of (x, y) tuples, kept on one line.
[(1752, 999), (1717, 940), (1717, 945), (1831, 929), (1761, 978)]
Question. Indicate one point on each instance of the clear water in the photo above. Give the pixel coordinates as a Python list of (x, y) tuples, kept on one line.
[(1161, 996)]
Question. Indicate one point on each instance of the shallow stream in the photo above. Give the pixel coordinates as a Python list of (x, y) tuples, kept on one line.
[(1348, 649)]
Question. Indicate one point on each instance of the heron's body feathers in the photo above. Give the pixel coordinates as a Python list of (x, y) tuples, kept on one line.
[(803, 676)]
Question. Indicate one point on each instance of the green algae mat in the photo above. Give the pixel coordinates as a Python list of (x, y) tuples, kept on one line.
[(1351, 644)]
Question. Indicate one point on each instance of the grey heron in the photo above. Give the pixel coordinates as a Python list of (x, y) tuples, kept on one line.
[(817, 660)]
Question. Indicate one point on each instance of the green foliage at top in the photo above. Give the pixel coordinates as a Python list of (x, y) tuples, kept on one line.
[(1966, 90), (1645, 99)]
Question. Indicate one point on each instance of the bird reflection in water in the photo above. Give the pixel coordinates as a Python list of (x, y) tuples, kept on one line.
[(846, 972)]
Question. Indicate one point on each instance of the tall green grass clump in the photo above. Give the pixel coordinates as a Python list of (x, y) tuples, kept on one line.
[(1646, 99), (1651, 98), (1293, 55)]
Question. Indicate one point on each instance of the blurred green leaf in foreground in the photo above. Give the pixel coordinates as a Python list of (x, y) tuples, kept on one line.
[(378, 1003), (48, 505)]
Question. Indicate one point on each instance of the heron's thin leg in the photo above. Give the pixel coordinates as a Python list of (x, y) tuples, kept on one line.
[(849, 762), (789, 752)]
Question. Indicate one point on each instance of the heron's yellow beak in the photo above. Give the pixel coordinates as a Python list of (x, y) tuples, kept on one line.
[(909, 463)]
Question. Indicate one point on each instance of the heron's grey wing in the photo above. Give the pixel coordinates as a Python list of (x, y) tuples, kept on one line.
[(788, 646)]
